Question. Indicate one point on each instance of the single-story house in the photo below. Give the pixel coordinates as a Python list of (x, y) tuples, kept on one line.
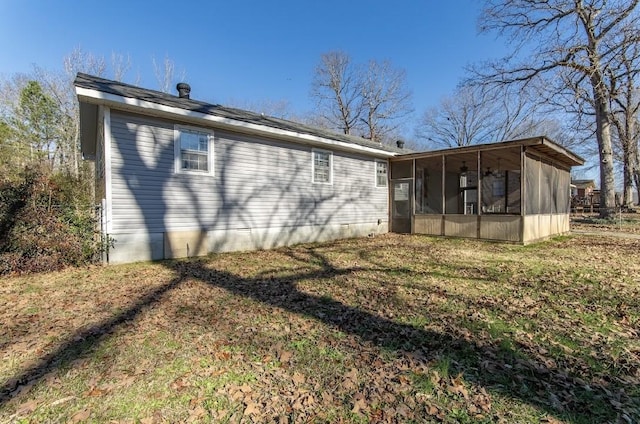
[(178, 177), (582, 188), (584, 195)]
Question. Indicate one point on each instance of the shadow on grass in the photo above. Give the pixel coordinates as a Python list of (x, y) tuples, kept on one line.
[(513, 371)]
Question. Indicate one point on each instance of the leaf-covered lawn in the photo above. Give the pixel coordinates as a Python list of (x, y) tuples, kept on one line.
[(621, 223), (387, 329)]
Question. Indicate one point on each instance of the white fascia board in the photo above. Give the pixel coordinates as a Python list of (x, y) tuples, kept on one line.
[(108, 189), (141, 106)]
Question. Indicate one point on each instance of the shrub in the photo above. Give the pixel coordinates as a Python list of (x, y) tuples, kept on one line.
[(46, 223)]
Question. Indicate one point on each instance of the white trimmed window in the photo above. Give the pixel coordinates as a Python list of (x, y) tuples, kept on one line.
[(381, 173), (322, 166), (193, 150)]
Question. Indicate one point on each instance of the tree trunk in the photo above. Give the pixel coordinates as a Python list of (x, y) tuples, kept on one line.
[(636, 173), (603, 135), (630, 169), (627, 194)]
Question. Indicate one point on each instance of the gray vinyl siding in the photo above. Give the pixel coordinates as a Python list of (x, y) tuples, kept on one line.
[(257, 183)]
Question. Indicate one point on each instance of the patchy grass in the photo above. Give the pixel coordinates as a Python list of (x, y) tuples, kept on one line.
[(624, 223), (389, 329)]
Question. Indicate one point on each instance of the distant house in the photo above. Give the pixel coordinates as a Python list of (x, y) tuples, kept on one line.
[(584, 195), (178, 177), (583, 188)]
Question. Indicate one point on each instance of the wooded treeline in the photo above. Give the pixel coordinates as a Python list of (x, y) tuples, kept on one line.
[(47, 213), (573, 76)]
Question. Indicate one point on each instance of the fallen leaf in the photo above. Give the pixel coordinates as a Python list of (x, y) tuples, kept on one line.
[(359, 403), (179, 384), (350, 381), (283, 419), (252, 408), (285, 356), (297, 405), (309, 400), (403, 411), (298, 378), (196, 414), (81, 416), (432, 410), (97, 392), (223, 356), (126, 381), (61, 401), (327, 398), (237, 395), (457, 387), (27, 408)]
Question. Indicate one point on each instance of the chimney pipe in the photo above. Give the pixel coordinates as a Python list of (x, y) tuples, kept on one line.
[(183, 90), (400, 144)]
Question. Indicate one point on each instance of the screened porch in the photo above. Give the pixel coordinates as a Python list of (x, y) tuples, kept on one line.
[(516, 191)]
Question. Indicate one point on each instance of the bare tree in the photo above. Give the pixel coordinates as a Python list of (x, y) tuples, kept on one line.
[(165, 73), (516, 114), (459, 120), (336, 89), (10, 88), (120, 64), (558, 129), (385, 99), (625, 106), (364, 101), (80, 61), (64, 92), (571, 44), (54, 95), (59, 87), (479, 114)]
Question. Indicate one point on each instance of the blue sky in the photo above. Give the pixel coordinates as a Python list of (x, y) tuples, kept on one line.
[(252, 51)]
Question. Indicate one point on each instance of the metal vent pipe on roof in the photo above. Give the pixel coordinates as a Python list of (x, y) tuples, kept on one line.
[(184, 90)]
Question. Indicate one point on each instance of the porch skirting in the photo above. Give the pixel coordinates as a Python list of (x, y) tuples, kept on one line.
[(509, 228)]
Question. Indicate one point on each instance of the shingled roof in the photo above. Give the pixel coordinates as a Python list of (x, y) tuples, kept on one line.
[(117, 88)]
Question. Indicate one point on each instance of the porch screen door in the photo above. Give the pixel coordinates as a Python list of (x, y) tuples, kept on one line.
[(401, 205)]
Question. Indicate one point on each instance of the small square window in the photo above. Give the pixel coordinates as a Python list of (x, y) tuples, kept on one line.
[(193, 150), (381, 173), (322, 166), (498, 188)]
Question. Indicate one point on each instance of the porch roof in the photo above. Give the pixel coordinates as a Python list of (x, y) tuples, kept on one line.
[(541, 145)]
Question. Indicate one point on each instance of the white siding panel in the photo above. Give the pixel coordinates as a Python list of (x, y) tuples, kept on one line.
[(258, 183)]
